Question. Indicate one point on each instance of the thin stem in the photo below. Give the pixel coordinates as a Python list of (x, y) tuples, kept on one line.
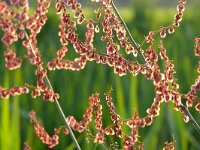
[(64, 118), (184, 108), (191, 118), (57, 103), (137, 46), (92, 137)]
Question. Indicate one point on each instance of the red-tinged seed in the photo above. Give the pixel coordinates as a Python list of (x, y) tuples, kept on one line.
[(142, 123), (178, 17), (65, 131), (180, 7), (135, 53), (197, 50), (97, 29), (176, 24), (163, 34), (171, 30), (186, 118), (5, 94), (148, 121), (198, 107), (189, 103), (109, 131)]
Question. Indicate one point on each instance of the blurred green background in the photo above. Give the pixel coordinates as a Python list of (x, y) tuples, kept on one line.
[(129, 93)]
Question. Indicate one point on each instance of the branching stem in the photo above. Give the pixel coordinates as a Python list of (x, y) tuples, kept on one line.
[(135, 44), (183, 107), (191, 118), (57, 103)]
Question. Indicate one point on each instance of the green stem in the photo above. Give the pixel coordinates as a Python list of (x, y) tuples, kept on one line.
[(191, 118), (135, 44), (57, 103), (64, 118), (138, 47)]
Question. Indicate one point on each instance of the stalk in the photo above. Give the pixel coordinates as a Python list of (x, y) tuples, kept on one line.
[(57, 103), (138, 48), (135, 44)]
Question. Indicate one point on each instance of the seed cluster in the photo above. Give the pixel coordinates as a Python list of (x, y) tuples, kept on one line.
[(6, 93), (191, 96), (197, 47), (12, 62), (170, 28), (114, 116), (51, 141)]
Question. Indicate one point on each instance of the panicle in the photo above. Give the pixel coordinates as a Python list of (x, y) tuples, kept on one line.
[(42, 134)]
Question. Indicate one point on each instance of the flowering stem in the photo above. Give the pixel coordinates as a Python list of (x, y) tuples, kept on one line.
[(191, 118), (138, 48), (64, 118), (57, 103)]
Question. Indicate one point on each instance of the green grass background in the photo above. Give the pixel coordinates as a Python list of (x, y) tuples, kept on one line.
[(130, 93)]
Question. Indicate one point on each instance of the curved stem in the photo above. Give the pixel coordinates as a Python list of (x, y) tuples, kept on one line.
[(191, 118), (64, 118), (137, 46), (184, 108), (57, 103)]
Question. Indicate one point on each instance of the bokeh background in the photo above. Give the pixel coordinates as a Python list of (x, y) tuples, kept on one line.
[(129, 93)]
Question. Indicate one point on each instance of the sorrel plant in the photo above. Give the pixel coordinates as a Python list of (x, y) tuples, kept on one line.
[(18, 24)]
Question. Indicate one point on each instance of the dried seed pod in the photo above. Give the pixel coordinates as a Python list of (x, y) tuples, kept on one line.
[(198, 107), (163, 33), (109, 131), (97, 29), (181, 7), (148, 120), (171, 30)]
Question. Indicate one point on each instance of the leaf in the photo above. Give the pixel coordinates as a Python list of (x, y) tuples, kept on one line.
[(5, 119)]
